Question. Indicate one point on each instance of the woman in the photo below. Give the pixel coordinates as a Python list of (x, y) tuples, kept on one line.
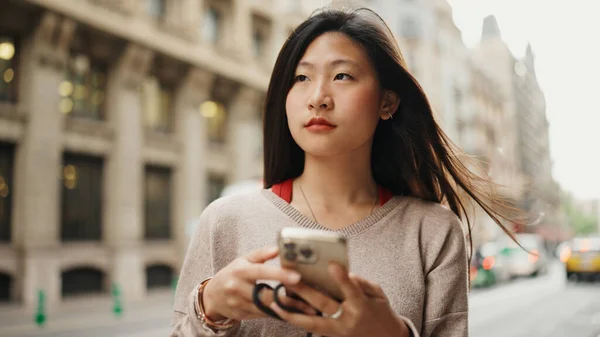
[(350, 145)]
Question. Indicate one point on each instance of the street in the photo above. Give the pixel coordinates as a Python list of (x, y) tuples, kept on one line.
[(547, 306)]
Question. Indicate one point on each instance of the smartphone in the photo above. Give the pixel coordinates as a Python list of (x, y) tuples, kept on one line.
[(309, 252)]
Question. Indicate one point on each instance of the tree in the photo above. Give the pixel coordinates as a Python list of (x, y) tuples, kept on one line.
[(581, 222)]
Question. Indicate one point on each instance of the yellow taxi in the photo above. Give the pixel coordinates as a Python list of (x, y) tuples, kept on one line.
[(582, 257)]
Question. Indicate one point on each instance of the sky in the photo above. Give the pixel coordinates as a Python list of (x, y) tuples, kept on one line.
[(565, 36)]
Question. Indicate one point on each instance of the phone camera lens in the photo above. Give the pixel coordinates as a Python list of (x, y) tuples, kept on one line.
[(289, 246), (306, 252), (290, 255)]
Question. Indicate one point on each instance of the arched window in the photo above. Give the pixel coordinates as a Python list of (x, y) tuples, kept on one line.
[(82, 281), (159, 276), (5, 287)]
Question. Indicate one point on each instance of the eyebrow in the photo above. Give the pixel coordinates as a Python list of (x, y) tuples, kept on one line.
[(331, 64)]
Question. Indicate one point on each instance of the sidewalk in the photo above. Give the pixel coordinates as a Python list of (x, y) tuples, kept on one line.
[(90, 314)]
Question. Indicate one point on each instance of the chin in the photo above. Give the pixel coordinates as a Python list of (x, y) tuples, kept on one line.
[(322, 149)]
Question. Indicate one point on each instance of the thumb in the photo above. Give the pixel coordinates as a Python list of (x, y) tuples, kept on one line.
[(263, 254)]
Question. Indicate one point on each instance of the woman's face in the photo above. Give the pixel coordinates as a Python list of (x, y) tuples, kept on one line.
[(335, 102)]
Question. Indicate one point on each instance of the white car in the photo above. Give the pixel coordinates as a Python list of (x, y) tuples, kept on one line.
[(532, 262)]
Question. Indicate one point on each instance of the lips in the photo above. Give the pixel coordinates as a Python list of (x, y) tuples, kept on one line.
[(319, 123)]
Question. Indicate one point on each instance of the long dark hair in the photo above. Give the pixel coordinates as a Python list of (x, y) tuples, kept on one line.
[(411, 155)]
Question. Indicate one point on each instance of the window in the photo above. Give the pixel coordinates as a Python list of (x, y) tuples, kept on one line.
[(157, 103), (216, 123), (260, 36), (83, 90), (6, 184), (158, 203), (82, 281), (8, 68), (216, 184), (211, 26), (156, 9), (159, 276), (81, 198), (5, 287), (259, 44)]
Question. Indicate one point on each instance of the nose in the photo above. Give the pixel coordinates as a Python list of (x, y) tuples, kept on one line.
[(320, 98)]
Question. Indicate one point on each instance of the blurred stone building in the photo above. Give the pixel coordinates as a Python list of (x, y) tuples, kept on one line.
[(433, 49), (525, 101), (119, 122)]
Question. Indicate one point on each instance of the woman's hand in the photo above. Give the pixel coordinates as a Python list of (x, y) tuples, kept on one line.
[(365, 311), (229, 293)]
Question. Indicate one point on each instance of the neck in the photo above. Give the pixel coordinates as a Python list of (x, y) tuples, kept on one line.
[(340, 180)]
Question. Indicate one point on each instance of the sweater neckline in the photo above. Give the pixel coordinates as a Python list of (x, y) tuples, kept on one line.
[(346, 231)]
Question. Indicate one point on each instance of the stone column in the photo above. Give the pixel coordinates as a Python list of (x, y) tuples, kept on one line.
[(241, 36), (191, 17), (124, 212), (39, 158), (191, 172), (245, 135)]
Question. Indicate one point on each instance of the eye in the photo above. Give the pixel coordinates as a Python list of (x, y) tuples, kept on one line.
[(300, 78), (343, 76)]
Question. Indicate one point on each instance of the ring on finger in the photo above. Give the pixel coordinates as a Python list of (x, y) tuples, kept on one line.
[(336, 315)]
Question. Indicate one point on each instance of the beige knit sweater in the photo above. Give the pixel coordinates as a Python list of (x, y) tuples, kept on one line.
[(415, 250)]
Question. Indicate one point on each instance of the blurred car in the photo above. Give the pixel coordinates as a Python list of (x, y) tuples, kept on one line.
[(582, 257), (531, 261), (489, 266)]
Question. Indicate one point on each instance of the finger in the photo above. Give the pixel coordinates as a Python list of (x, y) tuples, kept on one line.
[(369, 288), (316, 299), (349, 288), (315, 324), (294, 303), (255, 272), (267, 297), (263, 254)]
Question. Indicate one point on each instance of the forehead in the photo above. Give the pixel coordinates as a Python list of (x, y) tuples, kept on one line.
[(334, 46)]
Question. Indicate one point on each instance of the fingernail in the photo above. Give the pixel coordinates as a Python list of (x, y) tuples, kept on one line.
[(333, 268), (293, 277)]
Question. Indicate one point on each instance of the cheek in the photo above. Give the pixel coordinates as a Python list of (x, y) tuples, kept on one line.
[(362, 105), (291, 104), (293, 108)]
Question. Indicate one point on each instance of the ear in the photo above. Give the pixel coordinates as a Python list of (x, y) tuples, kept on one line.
[(389, 104)]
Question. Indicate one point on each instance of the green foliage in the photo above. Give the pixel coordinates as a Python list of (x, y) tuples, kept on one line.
[(581, 222)]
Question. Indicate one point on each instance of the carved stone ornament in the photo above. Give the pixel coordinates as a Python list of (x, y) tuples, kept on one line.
[(134, 64), (197, 86), (52, 38)]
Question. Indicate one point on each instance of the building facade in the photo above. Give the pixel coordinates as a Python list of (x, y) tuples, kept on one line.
[(433, 49), (119, 122), (487, 135), (525, 102)]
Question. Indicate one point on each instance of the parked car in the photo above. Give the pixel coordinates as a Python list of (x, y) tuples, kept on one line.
[(582, 258), (489, 266), (531, 261)]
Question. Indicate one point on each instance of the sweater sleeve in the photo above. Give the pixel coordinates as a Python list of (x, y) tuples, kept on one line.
[(446, 297), (197, 266)]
